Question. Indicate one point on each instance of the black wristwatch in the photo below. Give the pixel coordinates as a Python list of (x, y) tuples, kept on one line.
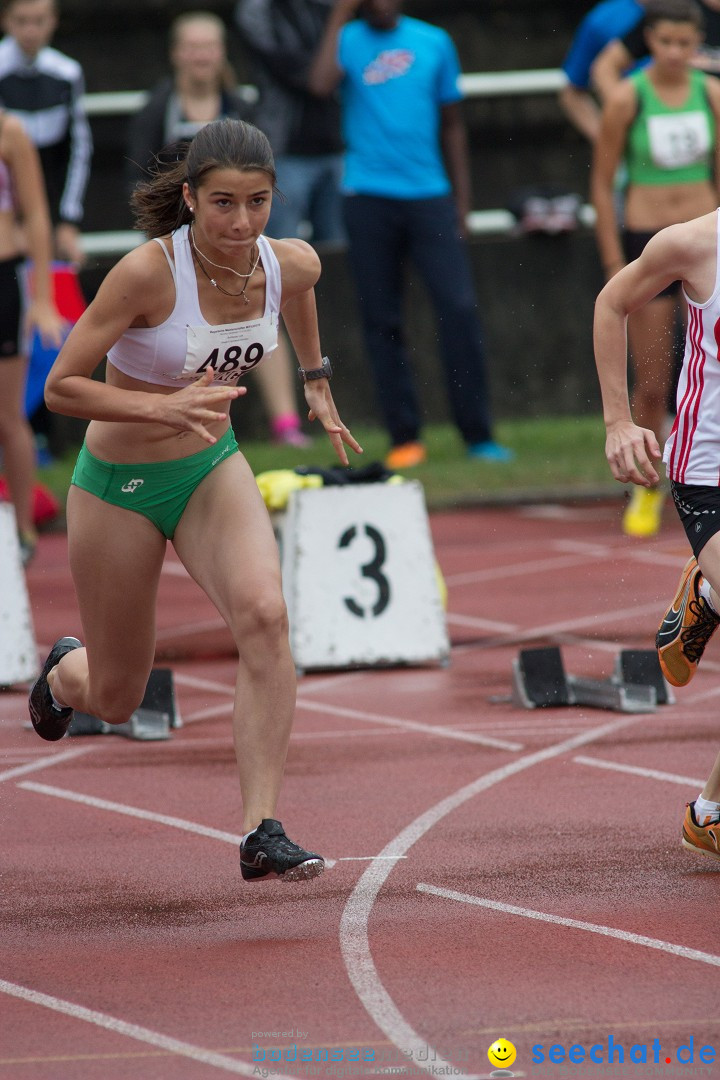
[(324, 372)]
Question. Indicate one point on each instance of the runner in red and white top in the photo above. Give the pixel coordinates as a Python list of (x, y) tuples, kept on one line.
[(689, 253)]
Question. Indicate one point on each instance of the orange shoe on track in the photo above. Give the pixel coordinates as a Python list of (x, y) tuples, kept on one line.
[(688, 625), (406, 456), (703, 839)]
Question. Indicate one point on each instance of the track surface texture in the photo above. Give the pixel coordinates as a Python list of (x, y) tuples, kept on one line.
[(492, 871)]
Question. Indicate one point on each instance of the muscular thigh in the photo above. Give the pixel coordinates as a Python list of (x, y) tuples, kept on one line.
[(116, 557), (225, 537)]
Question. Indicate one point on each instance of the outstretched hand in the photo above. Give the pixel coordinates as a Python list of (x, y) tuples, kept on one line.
[(43, 316), (199, 404), (630, 451), (322, 408)]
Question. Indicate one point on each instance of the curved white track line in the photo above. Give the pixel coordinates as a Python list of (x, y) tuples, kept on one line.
[(354, 936), (132, 1031), (575, 924)]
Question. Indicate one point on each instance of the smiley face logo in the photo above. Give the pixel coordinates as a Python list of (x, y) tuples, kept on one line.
[(502, 1053)]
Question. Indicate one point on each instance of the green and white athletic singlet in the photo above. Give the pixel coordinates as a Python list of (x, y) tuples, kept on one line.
[(670, 145)]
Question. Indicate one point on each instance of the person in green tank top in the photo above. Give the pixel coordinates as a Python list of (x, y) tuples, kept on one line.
[(662, 122)]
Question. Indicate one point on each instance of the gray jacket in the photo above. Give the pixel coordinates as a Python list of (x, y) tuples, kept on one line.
[(281, 37)]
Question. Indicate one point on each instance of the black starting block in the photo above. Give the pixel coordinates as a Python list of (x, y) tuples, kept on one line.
[(156, 715), (637, 684)]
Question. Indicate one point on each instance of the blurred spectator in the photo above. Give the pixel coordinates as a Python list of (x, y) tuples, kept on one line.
[(406, 197), (22, 197), (625, 53), (201, 89), (44, 88), (282, 37), (604, 22)]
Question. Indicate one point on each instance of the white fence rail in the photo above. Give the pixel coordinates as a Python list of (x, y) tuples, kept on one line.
[(484, 84)]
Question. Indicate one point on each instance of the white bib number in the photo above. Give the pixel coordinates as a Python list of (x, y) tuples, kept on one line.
[(678, 139), (230, 350)]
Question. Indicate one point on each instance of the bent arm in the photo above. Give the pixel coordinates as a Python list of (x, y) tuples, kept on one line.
[(325, 72), (669, 256), (608, 151), (581, 110), (453, 139), (608, 68), (24, 162), (120, 301)]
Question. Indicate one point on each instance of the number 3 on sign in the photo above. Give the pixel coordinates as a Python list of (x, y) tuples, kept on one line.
[(372, 570)]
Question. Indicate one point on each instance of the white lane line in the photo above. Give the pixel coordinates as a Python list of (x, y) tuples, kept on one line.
[(132, 1031), (166, 633), (592, 928), (131, 811), (558, 562), (478, 623), (410, 725), (636, 770), (354, 931), (45, 763), (367, 858), (204, 684), (582, 547), (311, 682), (597, 618)]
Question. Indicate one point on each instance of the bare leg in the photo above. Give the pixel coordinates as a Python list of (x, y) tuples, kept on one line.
[(711, 791), (115, 557), (16, 439), (226, 541)]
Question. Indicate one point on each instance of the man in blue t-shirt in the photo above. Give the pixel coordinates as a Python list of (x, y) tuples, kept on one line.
[(406, 195), (604, 22)]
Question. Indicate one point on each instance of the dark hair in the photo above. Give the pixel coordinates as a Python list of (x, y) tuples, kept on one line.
[(674, 11), (158, 203), (6, 5)]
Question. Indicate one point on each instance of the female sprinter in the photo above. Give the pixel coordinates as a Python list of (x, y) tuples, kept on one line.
[(181, 318)]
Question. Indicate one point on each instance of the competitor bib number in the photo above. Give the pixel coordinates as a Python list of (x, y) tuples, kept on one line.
[(678, 139), (232, 361), (230, 351)]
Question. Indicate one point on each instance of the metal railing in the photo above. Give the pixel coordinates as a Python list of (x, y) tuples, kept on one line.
[(483, 84)]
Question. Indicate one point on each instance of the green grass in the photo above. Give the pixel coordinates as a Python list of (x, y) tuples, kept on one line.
[(556, 457)]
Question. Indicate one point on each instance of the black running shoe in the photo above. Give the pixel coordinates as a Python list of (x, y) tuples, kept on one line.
[(267, 853), (50, 722)]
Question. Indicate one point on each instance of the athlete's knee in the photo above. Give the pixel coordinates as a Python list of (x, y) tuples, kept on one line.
[(264, 617), (115, 700)]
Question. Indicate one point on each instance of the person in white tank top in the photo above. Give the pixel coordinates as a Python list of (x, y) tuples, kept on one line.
[(689, 253), (181, 319)]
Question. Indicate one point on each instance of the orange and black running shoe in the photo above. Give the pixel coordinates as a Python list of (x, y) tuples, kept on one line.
[(688, 625), (704, 839)]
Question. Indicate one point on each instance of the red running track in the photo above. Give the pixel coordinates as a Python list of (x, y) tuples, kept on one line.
[(496, 872)]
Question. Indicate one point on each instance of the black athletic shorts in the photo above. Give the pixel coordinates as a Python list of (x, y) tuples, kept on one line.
[(634, 243), (10, 308), (699, 510)]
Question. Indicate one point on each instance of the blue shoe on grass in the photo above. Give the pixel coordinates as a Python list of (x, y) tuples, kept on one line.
[(491, 452)]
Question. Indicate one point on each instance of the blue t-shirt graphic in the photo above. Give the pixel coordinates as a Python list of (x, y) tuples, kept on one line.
[(395, 83)]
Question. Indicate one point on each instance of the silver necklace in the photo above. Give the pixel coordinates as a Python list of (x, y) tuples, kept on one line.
[(220, 265)]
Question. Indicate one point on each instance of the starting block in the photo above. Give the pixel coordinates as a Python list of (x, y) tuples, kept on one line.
[(153, 720), (637, 684)]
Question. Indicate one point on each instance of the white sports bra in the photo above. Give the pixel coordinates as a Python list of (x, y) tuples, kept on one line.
[(180, 349)]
